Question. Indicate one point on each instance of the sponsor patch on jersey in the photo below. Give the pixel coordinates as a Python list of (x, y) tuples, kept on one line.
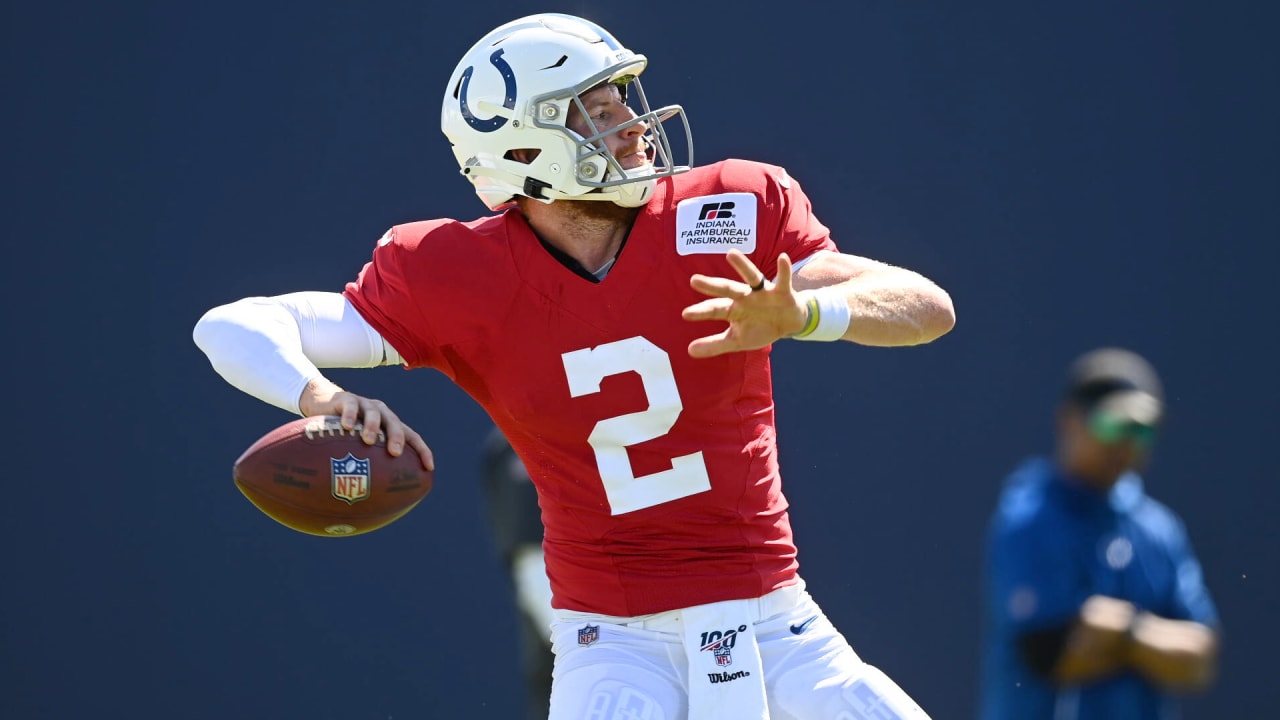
[(716, 224)]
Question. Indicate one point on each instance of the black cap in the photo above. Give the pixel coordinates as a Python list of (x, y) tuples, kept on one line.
[(1118, 382)]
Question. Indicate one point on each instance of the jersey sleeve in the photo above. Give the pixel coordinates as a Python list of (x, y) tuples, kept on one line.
[(383, 295), (796, 230), (1191, 600)]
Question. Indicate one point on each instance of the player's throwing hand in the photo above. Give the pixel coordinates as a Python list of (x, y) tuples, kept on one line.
[(321, 397)]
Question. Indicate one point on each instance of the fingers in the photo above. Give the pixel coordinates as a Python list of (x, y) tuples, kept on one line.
[(713, 309), (376, 420), (752, 278), (719, 287), (759, 312), (397, 433), (782, 280), (711, 346), (750, 274), (418, 445), (372, 422)]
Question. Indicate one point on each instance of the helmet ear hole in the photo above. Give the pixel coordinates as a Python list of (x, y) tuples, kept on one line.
[(524, 156)]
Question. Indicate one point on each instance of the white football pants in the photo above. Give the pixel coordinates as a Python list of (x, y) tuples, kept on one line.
[(638, 670)]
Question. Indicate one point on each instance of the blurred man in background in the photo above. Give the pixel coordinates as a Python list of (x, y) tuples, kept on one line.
[(1094, 599), (515, 522)]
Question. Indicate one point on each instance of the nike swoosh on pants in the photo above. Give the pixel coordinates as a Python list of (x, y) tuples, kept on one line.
[(797, 629)]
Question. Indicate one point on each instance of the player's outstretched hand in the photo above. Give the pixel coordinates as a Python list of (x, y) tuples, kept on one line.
[(324, 398), (759, 312)]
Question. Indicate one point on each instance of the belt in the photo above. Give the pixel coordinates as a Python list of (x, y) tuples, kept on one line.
[(759, 609)]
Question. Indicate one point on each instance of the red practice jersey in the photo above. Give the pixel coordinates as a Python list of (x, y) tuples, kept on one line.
[(657, 473)]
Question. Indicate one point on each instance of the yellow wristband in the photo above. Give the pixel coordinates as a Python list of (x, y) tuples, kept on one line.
[(810, 323)]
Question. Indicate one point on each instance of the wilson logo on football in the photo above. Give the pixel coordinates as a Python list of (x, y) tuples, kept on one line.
[(350, 478)]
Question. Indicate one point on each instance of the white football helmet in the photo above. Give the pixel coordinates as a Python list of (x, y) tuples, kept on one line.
[(513, 90)]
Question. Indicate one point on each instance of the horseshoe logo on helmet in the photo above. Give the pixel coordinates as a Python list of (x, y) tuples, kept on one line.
[(509, 102)]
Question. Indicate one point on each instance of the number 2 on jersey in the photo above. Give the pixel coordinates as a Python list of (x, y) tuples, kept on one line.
[(610, 438)]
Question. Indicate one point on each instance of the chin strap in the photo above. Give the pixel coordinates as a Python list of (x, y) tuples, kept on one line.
[(534, 188)]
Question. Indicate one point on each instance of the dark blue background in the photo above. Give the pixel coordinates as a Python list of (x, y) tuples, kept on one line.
[(1075, 174)]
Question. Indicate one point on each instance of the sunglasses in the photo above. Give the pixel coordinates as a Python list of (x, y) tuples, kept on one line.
[(1109, 429)]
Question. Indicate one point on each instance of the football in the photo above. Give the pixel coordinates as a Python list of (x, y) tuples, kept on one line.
[(313, 476)]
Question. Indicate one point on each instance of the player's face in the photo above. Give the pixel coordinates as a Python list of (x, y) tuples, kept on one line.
[(1093, 458), (605, 111)]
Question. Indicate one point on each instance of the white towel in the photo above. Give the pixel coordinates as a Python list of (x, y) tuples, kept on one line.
[(726, 679)]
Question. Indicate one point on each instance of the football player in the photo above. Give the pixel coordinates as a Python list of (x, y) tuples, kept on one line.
[(614, 315)]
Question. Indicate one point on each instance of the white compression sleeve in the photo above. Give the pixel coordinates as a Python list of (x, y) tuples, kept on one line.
[(271, 347)]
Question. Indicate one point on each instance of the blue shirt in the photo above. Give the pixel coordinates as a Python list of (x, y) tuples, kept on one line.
[(1052, 543)]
